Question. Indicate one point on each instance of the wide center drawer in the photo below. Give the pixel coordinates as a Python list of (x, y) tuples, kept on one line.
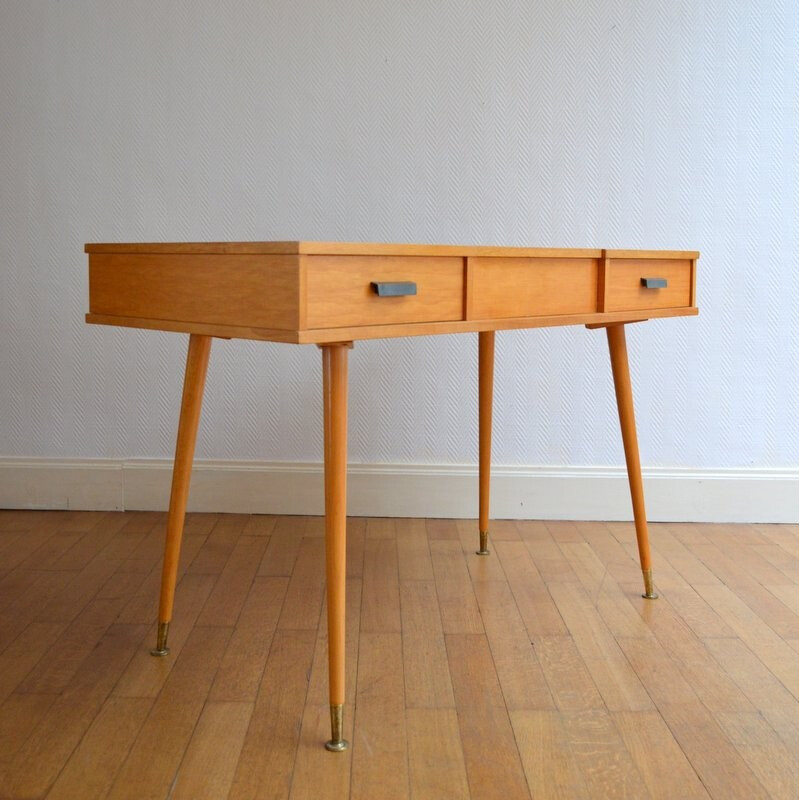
[(340, 290), (531, 287)]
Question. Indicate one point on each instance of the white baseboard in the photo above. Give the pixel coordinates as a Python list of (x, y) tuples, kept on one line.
[(396, 490)]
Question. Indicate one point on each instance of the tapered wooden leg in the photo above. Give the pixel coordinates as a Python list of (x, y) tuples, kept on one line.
[(622, 386), (193, 384), (485, 390), (334, 400)]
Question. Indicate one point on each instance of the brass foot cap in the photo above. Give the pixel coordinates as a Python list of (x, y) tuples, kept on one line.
[(156, 651), (337, 745), (652, 596), (481, 552)]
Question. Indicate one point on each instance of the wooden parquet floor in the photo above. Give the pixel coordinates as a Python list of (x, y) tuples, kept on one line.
[(538, 672)]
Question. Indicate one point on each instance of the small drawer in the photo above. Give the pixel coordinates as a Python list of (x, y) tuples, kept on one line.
[(642, 283), (345, 291), (531, 287)]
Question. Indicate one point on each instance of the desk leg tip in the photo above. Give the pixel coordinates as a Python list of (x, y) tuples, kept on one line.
[(649, 589), (484, 551), (161, 648), (337, 744)]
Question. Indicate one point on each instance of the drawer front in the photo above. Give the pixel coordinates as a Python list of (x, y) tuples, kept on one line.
[(259, 291), (625, 279), (531, 287), (342, 291)]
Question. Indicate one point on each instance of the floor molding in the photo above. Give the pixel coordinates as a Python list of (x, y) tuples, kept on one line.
[(518, 492)]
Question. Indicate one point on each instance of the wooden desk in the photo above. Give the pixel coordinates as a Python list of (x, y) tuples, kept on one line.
[(332, 294)]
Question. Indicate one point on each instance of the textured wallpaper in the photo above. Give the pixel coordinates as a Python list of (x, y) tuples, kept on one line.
[(586, 124)]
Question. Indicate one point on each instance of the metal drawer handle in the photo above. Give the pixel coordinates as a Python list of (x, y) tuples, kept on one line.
[(654, 283), (401, 289)]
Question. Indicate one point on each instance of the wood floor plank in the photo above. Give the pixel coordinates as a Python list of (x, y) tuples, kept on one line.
[(20, 714), (666, 771), (457, 604), (218, 546), (738, 574), (570, 683), (37, 592), (380, 609), (427, 676), (689, 656), (711, 753), (692, 695), (243, 663), (380, 758), (762, 640), (43, 755), (207, 769), (260, 525), (760, 686), (318, 773), (483, 721), (93, 765), (153, 760), (380, 528), (281, 552), (24, 653), (63, 658), (605, 763), (521, 678), (550, 766), (266, 762), (534, 603), (435, 758), (146, 675), (545, 552), (227, 598), (618, 684), (785, 536), (413, 553), (758, 744)]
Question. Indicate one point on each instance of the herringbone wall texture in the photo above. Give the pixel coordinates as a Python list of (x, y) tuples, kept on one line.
[(594, 123)]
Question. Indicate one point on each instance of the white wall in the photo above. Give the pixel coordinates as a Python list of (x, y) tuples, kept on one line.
[(609, 124)]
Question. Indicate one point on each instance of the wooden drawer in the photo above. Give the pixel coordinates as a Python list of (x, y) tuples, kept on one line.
[(531, 287), (624, 279), (339, 290), (259, 291)]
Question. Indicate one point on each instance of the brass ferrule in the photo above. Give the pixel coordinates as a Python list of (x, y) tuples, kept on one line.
[(161, 648), (649, 591), (337, 743), (484, 551)]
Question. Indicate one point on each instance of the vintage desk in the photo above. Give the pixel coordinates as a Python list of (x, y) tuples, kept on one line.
[(332, 294)]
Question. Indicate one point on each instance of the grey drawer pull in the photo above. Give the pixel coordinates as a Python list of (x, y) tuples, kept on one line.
[(654, 283), (402, 289)]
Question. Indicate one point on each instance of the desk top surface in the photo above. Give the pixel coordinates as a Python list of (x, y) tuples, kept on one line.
[(370, 248)]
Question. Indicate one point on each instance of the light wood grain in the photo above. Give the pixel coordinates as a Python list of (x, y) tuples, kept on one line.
[(618, 351), (623, 283), (191, 405), (389, 331), (334, 404), (485, 394), (339, 291), (256, 291), (522, 287), (519, 708)]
